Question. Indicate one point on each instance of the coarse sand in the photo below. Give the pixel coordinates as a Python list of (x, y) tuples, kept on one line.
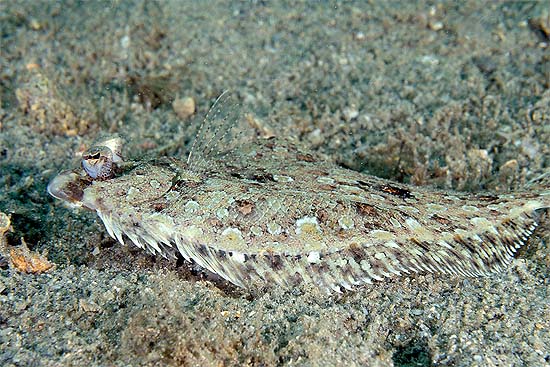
[(449, 94)]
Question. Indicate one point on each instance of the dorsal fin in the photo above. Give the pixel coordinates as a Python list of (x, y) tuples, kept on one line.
[(218, 132)]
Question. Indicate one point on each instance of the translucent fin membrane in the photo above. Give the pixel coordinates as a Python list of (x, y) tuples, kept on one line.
[(479, 254)]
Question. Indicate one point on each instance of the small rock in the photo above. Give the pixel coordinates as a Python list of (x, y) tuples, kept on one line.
[(436, 26), (88, 306), (350, 113), (315, 137), (184, 107), (359, 36), (508, 171), (29, 262)]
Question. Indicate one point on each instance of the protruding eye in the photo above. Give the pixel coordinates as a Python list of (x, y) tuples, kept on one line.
[(98, 163), (95, 155)]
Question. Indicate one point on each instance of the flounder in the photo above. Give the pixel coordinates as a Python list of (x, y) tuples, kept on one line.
[(270, 212)]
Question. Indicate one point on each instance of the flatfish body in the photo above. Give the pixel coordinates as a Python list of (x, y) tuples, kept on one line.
[(270, 212)]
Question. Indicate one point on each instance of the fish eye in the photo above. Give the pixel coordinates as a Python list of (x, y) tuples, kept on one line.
[(98, 163), (91, 155)]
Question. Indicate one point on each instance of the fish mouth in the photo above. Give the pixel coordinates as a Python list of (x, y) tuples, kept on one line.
[(69, 187)]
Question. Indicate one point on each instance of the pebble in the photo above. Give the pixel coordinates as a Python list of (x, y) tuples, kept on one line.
[(184, 107)]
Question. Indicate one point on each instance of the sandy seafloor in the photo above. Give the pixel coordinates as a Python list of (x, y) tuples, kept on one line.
[(448, 94)]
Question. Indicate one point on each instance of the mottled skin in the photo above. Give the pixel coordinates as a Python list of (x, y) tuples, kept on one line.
[(269, 212)]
